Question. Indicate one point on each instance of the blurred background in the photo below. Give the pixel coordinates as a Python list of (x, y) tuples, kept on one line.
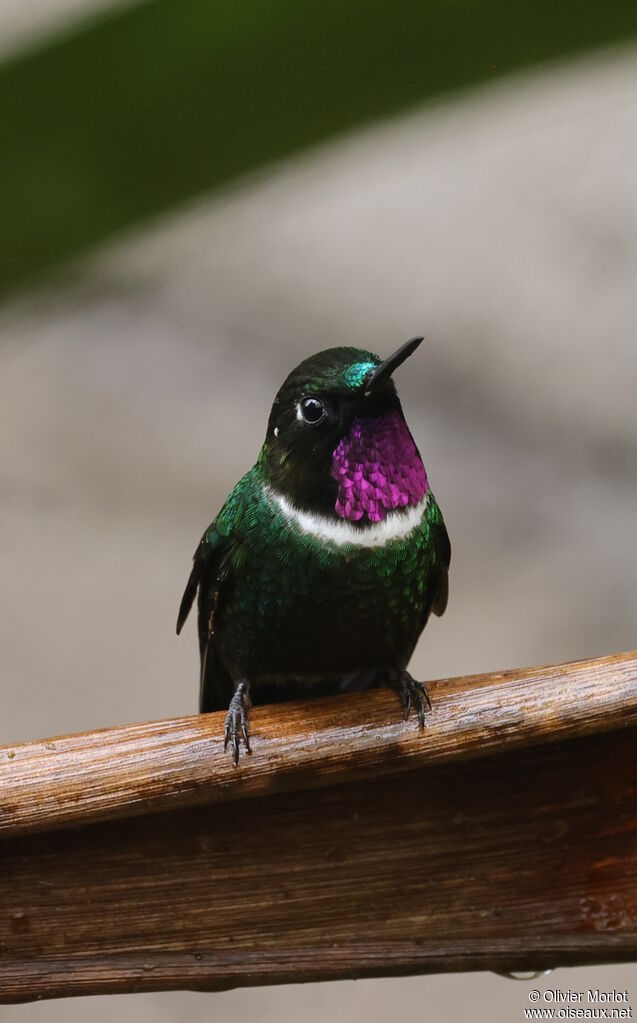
[(194, 197)]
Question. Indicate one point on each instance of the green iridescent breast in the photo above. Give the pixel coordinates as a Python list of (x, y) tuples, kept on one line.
[(297, 601)]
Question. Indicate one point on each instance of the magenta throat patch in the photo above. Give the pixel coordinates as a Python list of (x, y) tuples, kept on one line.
[(377, 468)]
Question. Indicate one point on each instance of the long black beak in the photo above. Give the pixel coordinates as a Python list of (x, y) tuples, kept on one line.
[(386, 368)]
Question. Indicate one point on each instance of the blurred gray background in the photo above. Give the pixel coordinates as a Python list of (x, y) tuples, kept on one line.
[(502, 224)]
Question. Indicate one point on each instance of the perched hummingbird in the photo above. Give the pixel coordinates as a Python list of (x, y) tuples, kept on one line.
[(323, 565)]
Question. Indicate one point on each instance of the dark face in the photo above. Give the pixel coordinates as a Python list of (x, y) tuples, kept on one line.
[(314, 409)]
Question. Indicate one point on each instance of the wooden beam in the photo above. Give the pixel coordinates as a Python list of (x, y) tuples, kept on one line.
[(144, 768), (465, 848)]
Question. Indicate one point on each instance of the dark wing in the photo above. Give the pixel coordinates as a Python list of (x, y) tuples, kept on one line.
[(212, 564), (200, 562), (209, 570), (442, 559), (216, 686)]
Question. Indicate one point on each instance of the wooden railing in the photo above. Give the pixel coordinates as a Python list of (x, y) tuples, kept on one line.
[(349, 844)]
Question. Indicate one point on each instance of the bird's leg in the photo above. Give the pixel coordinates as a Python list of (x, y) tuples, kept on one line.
[(412, 693), (237, 720)]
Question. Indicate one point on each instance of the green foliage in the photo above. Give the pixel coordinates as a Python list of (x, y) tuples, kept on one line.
[(150, 106)]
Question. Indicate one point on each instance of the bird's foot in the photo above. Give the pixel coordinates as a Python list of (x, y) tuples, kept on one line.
[(413, 694), (237, 721)]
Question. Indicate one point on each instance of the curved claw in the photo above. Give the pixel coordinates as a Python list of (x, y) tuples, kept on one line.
[(236, 725), (415, 693)]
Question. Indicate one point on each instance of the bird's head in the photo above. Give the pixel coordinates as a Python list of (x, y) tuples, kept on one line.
[(337, 442)]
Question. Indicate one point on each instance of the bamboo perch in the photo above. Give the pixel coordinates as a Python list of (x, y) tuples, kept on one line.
[(405, 857), (162, 765)]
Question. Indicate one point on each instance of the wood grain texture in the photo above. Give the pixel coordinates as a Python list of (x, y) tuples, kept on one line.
[(523, 859), (145, 768)]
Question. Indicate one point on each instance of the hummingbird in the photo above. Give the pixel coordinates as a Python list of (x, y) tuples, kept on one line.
[(322, 567)]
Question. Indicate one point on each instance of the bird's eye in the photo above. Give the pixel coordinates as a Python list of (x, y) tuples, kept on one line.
[(312, 410)]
